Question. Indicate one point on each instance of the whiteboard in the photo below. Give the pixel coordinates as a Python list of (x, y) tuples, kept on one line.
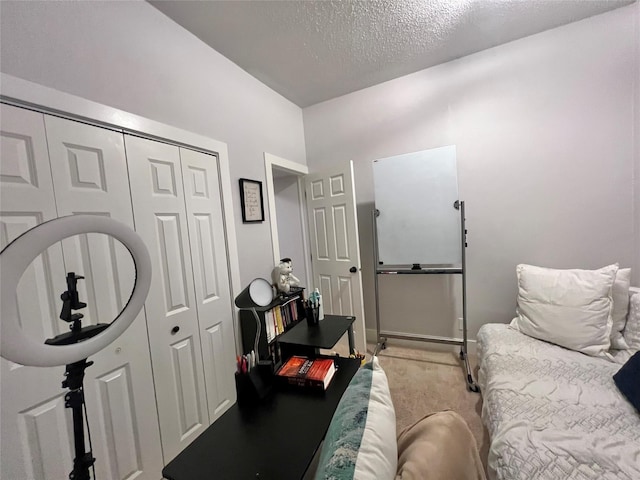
[(415, 195)]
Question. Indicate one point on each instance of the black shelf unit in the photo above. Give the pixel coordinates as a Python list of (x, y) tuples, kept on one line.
[(269, 350)]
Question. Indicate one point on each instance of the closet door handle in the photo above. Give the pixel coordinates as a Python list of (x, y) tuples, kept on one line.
[(175, 330), (353, 269)]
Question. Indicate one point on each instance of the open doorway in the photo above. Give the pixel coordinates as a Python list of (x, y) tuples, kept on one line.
[(332, 234), (285, 193)]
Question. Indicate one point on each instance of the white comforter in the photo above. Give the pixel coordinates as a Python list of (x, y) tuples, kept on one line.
[(553, 413)]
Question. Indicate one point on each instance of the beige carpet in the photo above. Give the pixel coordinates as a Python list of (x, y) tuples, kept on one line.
[(424, 381)]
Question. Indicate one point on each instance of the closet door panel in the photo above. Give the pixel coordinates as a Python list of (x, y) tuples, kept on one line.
[(89, 171), (90, 176), (25, 174), (211, 276), (26, 200), (123, 442), (35, 435), (161, 220)]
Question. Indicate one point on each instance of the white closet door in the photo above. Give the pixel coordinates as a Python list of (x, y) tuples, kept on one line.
[(211, 277), (90, 176), (161, 220), (36, 436), (87, 162), (89, 169)]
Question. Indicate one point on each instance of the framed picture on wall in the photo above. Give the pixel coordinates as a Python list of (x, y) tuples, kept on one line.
[(251, 199)]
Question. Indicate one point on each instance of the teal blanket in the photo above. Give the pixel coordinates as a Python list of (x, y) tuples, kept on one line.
[(343, 439)]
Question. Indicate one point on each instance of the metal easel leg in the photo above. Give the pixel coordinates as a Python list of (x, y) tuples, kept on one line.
[(471, 384), (381, 343)]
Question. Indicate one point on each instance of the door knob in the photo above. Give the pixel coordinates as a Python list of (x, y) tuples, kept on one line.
[(353, 269), (175, 330)]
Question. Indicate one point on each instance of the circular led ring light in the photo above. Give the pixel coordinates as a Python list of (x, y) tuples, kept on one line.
[(18, 255)]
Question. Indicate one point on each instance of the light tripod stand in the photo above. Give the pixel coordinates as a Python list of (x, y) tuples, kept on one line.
[(74, 347)]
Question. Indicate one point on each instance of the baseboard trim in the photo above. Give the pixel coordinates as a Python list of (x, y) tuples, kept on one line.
[(434, 347)]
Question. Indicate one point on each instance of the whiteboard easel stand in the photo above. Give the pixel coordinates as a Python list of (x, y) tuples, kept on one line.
[(382, 336)]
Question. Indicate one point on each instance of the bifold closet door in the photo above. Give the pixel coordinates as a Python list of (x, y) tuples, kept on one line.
[(36, 439), (211, 277), (89, 176), (161, 220), (89, 169)]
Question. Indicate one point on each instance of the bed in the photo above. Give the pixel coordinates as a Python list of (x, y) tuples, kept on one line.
[(554, 413)]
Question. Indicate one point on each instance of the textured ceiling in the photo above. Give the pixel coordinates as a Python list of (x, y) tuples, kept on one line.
[(311, 51)]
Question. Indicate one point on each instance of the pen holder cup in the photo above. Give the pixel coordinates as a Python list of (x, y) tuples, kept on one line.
[(254, 386), (313, 315)]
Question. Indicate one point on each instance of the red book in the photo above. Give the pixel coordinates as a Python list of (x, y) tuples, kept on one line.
[(310, 373)]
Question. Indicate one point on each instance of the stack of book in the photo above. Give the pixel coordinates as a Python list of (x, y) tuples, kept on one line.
[(307, 373), (280, 317)]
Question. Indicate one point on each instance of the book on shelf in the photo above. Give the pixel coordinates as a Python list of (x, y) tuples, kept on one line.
[(307, 373), (278, 315), (271, 329)]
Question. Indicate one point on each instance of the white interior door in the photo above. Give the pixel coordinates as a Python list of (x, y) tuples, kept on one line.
[(211, 277), (171, 307), (335, 249), (89, 169), (37, 433)]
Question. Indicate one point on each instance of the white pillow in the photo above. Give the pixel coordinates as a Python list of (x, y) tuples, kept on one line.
[(361, 440), (620, 308), (632, 330), (571, 308), (378, 456)]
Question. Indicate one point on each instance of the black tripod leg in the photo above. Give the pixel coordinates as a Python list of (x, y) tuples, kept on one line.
[(74, 400)]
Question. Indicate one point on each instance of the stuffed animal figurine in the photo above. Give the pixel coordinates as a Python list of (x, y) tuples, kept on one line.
[(282, 277)]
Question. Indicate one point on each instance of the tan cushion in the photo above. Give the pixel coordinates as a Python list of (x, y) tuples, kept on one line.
[(440, 446)]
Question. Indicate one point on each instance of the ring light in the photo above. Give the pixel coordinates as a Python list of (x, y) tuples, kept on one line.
[(18, 255)]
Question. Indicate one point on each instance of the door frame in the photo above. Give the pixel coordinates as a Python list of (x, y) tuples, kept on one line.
[(25, 94), (272, 162)]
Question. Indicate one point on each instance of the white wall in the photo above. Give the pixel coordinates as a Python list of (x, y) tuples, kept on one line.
[(130, 56), (636, 178), (544, 134)]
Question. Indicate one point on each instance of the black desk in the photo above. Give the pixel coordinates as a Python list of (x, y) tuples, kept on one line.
[(305, 340), (276, 440)]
